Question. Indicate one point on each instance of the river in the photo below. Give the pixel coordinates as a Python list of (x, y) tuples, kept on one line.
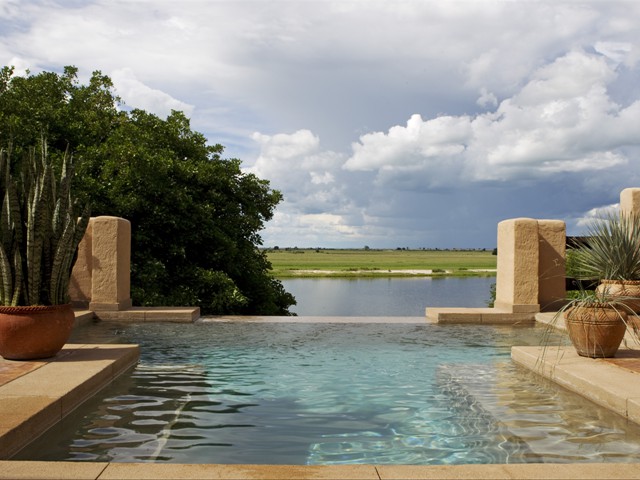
[(403, 297)]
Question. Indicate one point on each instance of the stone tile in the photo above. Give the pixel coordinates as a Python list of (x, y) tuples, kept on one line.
[(182, 314), (10, 370), (415, 472), (14, 411), (23, 419), (455, 315), (150, 314), (512, 471), (477, 315), (574, 471), (600, 381), (627, 359), (633, 409), (130, 315), (507, 318), (34, 402), (83, 317), (50, 470), (131, 471), (543, 361), (127, 357), (119, 357), (308, 319), (61, 378)]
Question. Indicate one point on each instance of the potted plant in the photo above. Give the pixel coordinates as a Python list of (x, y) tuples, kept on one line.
[(596, 323), (612, 256), (39, 235)]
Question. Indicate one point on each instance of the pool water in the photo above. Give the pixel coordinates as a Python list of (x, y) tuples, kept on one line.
[(304, 393)]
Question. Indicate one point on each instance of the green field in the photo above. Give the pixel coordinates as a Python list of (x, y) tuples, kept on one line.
[(360, 262)]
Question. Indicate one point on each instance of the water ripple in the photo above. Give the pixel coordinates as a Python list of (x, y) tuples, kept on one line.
[(336, 394)]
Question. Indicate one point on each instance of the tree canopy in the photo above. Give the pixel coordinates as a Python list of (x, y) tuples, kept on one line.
[(195, 216)]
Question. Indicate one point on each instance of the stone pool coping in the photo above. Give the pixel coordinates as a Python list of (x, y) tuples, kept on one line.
[(34, 396), (144, 471)]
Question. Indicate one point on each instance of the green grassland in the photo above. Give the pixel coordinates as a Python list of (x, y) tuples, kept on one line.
[(361, 262)]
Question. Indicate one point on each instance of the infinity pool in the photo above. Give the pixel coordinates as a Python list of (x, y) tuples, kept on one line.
[(305, 393)]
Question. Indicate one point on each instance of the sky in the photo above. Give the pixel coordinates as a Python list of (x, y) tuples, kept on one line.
[(387, 124)]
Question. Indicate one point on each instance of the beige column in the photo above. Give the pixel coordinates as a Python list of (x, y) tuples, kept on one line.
[(81, 276), (111, 250), (517, 269), (630, 201), (552, 236), (530, 271)]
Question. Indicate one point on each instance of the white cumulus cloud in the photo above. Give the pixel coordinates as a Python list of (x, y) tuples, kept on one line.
[(136, 94), (561, 120)]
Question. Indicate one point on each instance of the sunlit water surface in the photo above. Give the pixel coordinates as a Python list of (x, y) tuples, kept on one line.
[(333, 394)]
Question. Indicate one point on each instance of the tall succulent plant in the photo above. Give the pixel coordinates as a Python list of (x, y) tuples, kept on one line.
[(39, 230)]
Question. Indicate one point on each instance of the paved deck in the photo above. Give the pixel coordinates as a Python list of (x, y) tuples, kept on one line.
[(144, 471), (36, 395)]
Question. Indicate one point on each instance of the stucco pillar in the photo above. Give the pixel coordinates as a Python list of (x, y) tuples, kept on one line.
[(552, 237), (630, 201), (531, 267), (81, 276), (517, 266), (111, 250)]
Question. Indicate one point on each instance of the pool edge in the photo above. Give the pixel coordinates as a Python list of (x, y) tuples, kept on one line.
[(141, 471), (106, 362), (34, 401)]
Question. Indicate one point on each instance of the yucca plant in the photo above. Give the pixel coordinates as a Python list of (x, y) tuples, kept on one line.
[(40, 229), (613, 249)]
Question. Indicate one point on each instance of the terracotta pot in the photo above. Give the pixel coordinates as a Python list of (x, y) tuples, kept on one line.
[(615, 289), (595, 331), (29, 333)]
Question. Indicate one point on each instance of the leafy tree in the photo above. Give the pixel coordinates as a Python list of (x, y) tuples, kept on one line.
[(195, 216)]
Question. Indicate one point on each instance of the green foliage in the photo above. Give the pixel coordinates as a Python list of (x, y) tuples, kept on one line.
[(613, 249), (195, 216), (492, 296), (39, 230)]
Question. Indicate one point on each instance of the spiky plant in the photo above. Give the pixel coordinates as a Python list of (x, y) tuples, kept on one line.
[(40, 230), (613, 249)]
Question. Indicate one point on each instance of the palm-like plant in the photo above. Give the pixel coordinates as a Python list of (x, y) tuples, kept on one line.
[(613, 249)]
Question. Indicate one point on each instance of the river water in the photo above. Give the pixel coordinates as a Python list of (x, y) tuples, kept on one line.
[(385, 296)]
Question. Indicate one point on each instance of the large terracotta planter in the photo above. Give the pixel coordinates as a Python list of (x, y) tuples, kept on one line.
[(628, 291), (596, 331), (29, 333)]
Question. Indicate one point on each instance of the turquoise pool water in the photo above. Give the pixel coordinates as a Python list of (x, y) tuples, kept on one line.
[(334, 394)]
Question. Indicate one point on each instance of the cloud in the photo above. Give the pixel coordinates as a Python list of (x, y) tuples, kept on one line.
[(560, 127), (136, 94), (595, 214), (487, 99), (383, 123), (295, 164), (561, 120)]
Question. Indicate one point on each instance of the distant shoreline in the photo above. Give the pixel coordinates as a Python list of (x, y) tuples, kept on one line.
[(303, 263)]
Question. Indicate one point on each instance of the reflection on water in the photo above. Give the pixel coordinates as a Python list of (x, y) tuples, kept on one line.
[(334, 394), (385, 296)]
